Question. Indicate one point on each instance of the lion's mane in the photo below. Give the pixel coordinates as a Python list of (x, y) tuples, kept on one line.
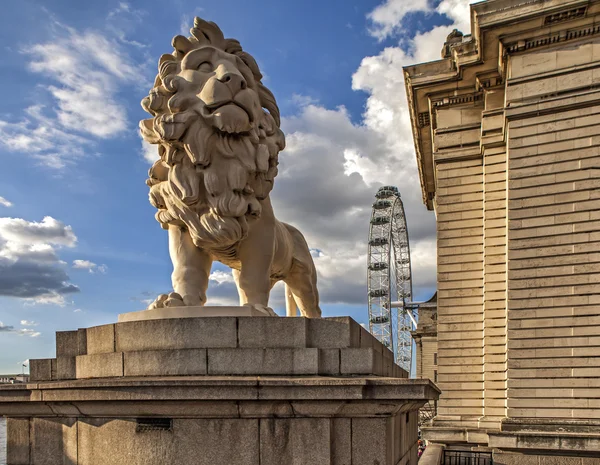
[(187, 184)]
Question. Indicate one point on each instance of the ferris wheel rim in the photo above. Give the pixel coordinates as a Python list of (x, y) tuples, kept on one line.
[(388, 235)]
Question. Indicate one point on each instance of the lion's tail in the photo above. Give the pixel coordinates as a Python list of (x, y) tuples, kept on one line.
[(291, 308)]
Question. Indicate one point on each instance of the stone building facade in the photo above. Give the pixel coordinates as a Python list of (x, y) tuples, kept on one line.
[(425, 337), (507, 137)]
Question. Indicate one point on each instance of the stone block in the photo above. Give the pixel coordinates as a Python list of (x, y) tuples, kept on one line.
[(99, 365), (267, 333), (329, 362), (54, 441), (220, 442), (40, 369), (65, 367), (17, 441), (341, 441), (133, 448), (295, 441), (360, 362), (100, 339), (263, 361), (515, 459), (67, 344), (183, 333), (371, 441), (165, 362), (82, 341), (562, 460), (330, 333), (188, 441)]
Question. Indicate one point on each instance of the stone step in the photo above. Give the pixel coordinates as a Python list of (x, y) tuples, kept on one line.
[(218, 346)]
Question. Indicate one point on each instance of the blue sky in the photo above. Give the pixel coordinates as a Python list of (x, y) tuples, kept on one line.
[(78, 239)]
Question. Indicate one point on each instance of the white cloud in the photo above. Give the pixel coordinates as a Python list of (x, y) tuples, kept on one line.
[(28, 323), (89, 266), (48, 231), (82, 72), (149, 152), (77, 310), (29, 265), (387, 17), (5, 203), (20, 332), (28, 332), (221, 277)]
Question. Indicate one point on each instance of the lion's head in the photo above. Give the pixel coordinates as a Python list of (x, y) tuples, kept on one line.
[(217, 129)]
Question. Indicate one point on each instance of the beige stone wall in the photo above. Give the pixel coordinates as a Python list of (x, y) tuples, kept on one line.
[(554, 234), (460, 288), (426, 355), (495, 291)]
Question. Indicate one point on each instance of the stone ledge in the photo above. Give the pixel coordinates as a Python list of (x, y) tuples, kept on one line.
[(21, 400), (558, 441)]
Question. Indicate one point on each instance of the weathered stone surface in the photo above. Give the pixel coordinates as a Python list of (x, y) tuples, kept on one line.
[(165, 362), (263, 361), (17, 441), (40, 369), (100, 339), (65, 368), (295, 441), (54, 441), (67, 344), (371, 441), (99, 365), (272, 332), (364, 361), (189, 441), (184, 333), (82, 341), (329, 333), (329, 362), (341, 441)]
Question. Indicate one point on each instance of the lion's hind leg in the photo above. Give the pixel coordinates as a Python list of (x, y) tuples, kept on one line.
[(302, 283), (301, 279)]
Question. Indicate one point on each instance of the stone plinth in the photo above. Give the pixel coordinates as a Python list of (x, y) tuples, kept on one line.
[(218, 390)]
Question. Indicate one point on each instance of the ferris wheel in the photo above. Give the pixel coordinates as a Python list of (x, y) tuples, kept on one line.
[(391, 312)]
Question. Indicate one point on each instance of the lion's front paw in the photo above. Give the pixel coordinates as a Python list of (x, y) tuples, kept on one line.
[(262, 308), (167, 300)]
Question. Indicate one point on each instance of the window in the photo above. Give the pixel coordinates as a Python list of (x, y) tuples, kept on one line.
[(435, 358), (435, 376)]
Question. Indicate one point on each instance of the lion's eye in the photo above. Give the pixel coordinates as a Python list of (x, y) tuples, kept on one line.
[(205, 67)]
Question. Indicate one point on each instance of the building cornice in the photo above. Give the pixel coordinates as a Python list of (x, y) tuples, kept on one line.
[(477, 64)]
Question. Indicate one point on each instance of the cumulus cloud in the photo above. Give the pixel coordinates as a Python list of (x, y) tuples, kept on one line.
[(89, 266), (82, 72), (344, 163), (386, 19), (5, 203), (28, 323), (29, 265)]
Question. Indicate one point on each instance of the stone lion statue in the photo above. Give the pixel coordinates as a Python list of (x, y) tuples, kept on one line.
[(217, 130)]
